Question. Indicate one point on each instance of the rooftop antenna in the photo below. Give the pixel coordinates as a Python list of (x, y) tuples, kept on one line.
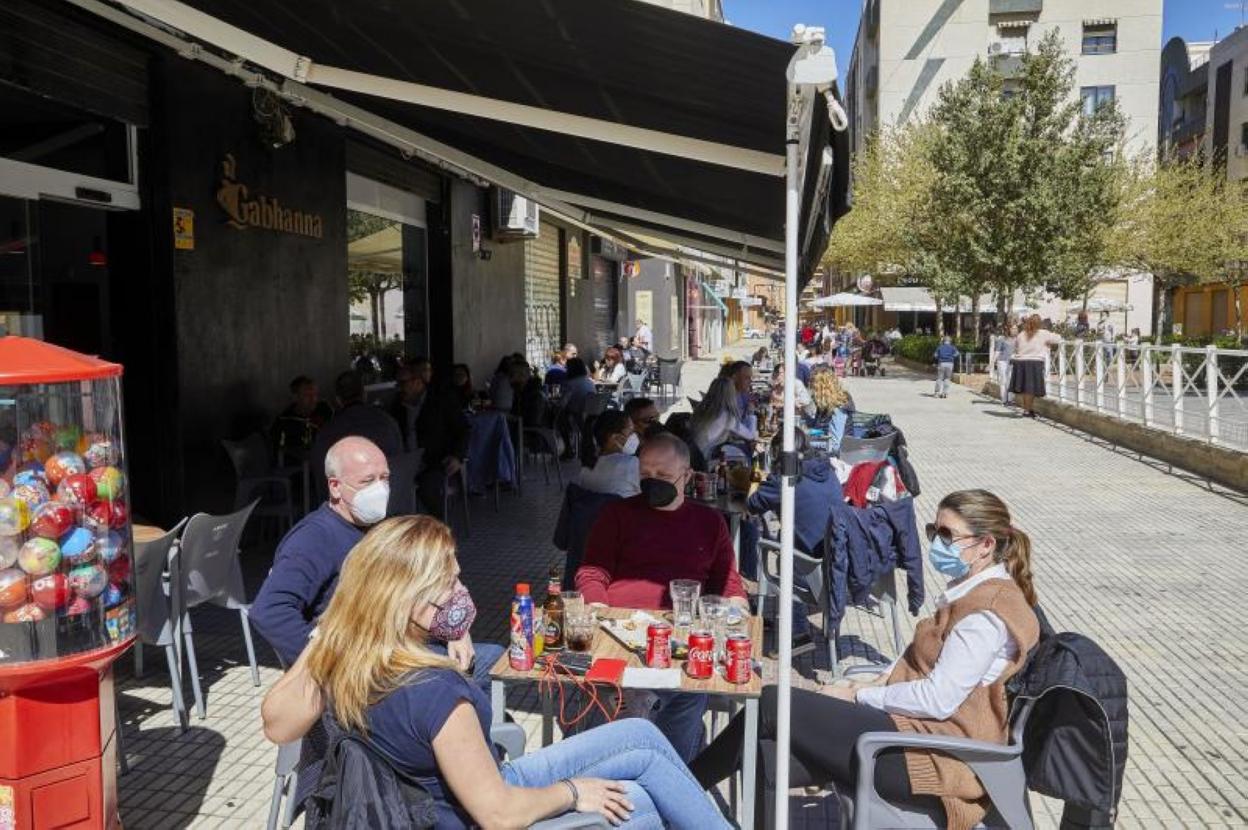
[(1241, 6)]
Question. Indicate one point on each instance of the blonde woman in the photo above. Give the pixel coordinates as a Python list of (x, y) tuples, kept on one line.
[(369, 666), (828, 393), (950, 681)]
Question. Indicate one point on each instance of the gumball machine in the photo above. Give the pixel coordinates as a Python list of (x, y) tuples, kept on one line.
[(66, 604)]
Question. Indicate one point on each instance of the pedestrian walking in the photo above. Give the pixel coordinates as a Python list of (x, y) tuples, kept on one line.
[(946, 355), (1003, 351), (1031, 349)]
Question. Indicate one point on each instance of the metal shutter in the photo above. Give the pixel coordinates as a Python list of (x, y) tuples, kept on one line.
[(55, 55), (543, 312), (603, 276)]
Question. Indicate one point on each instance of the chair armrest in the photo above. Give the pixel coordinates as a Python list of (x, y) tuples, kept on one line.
[(510, 738), (572, 821)]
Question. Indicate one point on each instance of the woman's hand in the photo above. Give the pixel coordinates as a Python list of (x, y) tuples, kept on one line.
[(846, 691), (597, 795)]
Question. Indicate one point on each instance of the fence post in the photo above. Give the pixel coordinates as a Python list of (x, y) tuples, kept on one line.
[(1122, 381), (1176, 387), (1147, 367), (1062, 369), (1081, 369), (1211, 386), (1098, 360)]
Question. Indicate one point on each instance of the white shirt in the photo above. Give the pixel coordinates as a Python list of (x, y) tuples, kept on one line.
[(976, 653), (724, 428), (615, 374), (614, 473), (642, 336)]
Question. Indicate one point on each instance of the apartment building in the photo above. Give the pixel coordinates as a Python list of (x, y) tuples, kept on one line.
[(906, 50)]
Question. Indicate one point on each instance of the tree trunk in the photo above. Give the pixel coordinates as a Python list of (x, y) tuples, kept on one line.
[(372, 307), (1165, 313), (978, 318), (1237, 295), (940, 317)]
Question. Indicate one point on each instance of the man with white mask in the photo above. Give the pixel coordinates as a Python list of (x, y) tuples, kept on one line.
[(309, 557)]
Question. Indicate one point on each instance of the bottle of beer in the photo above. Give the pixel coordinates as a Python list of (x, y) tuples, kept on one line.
[(553, 611)]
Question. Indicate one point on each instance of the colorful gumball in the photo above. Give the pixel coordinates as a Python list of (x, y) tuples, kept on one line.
[(5, 488), (61, 466), (30, 474), (78, 490), (79, 605), (25, 613), (121, 515), (110, 546), (109, 482), (51, 592), (97, 517), (40, 429), (66, 438), (9, 546), (33, 493), (14, 516), (39, 556), (114, 594), (119, 569), (51, 520), (88, 580), (78, 546), (98, 450), (12, 588), (35, 449)]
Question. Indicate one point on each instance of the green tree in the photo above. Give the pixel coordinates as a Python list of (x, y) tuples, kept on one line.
[(365, 285)]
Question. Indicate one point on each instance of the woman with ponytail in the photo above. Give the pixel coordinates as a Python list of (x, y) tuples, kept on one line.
[(950, 681)]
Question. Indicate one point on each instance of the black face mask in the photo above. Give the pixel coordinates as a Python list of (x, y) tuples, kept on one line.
[(658, 493)]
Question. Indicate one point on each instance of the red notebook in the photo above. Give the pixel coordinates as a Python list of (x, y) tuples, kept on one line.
[(607, 670)]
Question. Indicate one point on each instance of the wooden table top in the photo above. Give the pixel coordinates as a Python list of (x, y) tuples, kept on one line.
[(607, 646), (725, 502), (146, 533)]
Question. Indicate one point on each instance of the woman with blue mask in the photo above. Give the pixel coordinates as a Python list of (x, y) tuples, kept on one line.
[(950, 681)]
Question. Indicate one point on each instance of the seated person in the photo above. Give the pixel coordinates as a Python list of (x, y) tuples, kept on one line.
[(354, 417), (378, 676), (817, 490), (557, 371), (613, 467), (461, 385), (742, 375), (804, 404), (435, 423), (950, 681), (577, 387), (643, 412), (295, 429), (638, 545), (718, 420), (833, 406), (502, 395), (612, 369)]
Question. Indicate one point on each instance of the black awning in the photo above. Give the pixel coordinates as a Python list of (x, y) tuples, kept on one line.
[(618, 61)]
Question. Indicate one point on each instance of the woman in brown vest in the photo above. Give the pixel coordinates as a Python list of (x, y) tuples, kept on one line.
[(950, 680)]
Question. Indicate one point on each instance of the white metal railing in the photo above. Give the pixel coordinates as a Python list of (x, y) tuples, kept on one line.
[(1199, 393)]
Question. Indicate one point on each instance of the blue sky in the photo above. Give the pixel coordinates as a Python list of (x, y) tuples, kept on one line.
[(1192, 19)]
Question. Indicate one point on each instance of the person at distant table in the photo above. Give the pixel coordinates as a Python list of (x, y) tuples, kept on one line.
[(295, 429), (643, 338)]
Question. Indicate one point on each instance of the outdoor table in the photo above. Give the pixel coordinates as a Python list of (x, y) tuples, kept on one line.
[(146, 533), (608, 646)]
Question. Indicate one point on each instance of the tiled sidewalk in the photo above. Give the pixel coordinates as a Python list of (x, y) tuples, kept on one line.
[(1147, 564)]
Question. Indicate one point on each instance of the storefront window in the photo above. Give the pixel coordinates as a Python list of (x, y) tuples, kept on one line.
[(375, 288)]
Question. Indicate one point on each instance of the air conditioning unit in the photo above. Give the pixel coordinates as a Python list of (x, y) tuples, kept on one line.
[(997, 47), (514, 216)]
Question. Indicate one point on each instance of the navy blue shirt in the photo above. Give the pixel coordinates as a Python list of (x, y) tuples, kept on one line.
[(304, 574), (946, 353), (817, 490), (405, 722)]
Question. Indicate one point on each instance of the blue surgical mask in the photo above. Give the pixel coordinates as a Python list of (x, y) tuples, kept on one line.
[(946, 558)]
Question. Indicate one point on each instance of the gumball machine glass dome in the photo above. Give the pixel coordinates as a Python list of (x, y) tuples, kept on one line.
[(65, 536)]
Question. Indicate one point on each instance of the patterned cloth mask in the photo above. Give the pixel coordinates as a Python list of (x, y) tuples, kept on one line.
[(453, 618)]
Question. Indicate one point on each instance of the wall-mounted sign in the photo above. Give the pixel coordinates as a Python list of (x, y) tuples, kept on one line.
[(865, 284), (740, 293), (608, 249), (476, 234), (183, 229), (644, 301), (630, 269), (907, 281), (259, 211)]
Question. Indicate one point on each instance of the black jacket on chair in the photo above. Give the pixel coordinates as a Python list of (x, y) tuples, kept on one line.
[(576, 517), (441, 428), (1075, 748)]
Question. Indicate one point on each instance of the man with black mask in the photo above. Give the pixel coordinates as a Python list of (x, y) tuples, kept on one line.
[(638, 545)]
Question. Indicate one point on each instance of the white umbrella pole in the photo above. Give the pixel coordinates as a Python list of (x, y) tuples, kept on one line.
[(787, 491)]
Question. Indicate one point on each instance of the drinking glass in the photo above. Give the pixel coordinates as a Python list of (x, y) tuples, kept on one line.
[(578, 627), (684, 594), (713, 611)]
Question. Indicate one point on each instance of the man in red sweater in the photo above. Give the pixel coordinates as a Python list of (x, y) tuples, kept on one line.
[(638, 545)]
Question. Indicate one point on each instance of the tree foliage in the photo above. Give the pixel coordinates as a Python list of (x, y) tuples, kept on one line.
[(370, 286)]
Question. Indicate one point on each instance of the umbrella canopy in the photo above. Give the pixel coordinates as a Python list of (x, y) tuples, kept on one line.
[(843, 300)]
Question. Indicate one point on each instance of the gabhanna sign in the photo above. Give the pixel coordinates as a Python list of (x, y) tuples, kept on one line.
[(259, 211)]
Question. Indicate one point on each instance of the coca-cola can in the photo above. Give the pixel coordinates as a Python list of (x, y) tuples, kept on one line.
[(738, 665), (659, 645), (700, 664)]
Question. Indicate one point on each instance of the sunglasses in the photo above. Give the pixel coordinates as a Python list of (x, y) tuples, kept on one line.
[(945, 534)]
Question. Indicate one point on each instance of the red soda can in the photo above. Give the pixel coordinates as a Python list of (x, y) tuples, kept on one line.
[(659, 645), (739, 666), (700, 664)]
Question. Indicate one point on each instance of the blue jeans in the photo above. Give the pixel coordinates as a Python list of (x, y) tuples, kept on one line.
[(632, 751), (487, 655)]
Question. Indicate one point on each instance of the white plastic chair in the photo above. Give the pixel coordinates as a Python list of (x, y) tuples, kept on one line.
[(205, 568)]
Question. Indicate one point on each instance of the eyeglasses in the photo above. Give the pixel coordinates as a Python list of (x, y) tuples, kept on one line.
[(945, 534)]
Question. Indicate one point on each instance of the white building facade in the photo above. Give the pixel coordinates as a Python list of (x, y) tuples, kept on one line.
[(906, 50)]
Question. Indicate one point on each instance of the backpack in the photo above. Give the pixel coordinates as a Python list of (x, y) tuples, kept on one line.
[(361, 789)]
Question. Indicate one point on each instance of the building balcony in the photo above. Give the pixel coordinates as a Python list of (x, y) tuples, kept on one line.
[(1015, 7)]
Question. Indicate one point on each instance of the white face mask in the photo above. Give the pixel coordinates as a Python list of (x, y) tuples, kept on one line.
[(631, 444), (369, 505)]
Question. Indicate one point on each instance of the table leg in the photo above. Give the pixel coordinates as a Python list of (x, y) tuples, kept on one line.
[(548, 718), (749, 766), (498, 701)]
